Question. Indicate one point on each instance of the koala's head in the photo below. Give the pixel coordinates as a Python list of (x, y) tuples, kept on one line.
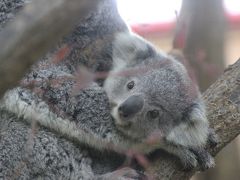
[(148, 91)]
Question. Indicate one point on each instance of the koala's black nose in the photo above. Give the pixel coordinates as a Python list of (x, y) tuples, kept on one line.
[(131, 106)]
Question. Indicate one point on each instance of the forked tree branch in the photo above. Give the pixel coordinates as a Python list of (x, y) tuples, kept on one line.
[(34, 31), (223, 102)]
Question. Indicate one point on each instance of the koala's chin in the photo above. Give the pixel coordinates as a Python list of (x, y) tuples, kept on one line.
[(121, 123)]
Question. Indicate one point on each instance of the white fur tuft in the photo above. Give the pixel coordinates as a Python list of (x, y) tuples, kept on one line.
[(192, 133)]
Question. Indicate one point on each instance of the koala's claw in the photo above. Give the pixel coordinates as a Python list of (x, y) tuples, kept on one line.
[(129, 173), (205, 160), (213, 138), (209, 163), (189, 162), (123, 174)]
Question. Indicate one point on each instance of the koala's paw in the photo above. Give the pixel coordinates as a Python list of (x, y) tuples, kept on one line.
[(205, 160), (188, 161), (122, 174), (208, 163)]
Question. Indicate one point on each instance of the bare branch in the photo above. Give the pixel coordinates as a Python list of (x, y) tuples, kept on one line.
[(37, 28)]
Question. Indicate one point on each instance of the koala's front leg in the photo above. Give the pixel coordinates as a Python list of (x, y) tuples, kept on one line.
[(187, 158), (191, 158)]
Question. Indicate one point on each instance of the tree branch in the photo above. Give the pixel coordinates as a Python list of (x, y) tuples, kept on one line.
[(223, 102), (38, 27)]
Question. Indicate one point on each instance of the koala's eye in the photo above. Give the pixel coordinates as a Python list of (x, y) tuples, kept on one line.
[(153, 114), (130, 85)]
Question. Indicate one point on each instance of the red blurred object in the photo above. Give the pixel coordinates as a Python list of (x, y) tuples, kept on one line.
[(61, 54), (233, 20), (151, 28)]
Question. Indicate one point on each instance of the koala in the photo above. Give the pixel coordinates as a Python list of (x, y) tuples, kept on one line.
[(151, 94)]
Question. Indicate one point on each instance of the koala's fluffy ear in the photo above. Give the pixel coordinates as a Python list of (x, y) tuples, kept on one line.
[(193, 130), (127, 46)]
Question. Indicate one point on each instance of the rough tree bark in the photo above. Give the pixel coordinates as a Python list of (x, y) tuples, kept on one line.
[(223, 100)]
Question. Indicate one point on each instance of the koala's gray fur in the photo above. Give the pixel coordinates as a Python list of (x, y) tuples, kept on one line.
[(51, 155), (85, 117), (160, 82)]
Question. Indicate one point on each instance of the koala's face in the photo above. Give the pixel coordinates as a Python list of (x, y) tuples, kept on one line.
[(152, 100)]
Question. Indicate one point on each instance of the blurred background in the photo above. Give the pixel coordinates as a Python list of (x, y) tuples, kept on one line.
[(208, 33)]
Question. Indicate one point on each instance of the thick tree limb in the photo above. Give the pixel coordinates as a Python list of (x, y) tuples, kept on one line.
[(223, 100), (39, 26)]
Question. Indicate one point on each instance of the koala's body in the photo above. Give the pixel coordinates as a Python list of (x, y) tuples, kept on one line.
[(151, 94)]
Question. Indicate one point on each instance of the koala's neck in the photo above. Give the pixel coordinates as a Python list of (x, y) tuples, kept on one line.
[(39, 111)]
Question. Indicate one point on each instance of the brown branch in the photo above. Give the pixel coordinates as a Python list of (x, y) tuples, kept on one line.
[(37, 28), (223, 100), (202, 25)]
